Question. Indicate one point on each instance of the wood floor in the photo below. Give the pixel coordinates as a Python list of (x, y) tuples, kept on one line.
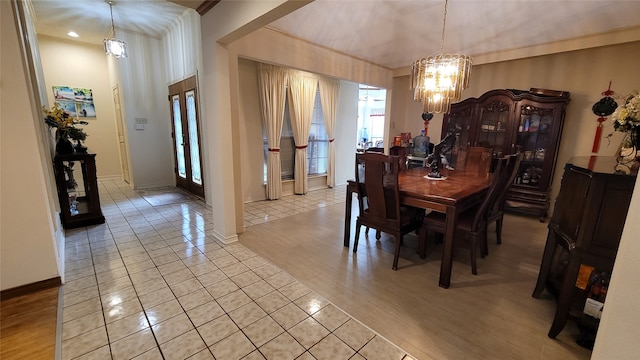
[(28, 326), (488, 316)]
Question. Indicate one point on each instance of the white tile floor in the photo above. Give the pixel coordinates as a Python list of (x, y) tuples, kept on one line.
[(258, 212), (152, 283)]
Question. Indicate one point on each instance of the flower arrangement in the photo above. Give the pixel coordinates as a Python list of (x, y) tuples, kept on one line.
[(626, 118), (64, 123)]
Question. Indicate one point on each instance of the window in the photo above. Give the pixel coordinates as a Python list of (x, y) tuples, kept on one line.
[(317, 149)]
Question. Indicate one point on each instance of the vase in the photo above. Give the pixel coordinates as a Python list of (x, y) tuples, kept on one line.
[(634, 135), (64, 146), (79, 148)]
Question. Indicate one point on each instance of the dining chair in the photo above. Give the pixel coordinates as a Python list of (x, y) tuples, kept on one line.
[(472, 223), (401, 153), (382, 210), (475, 159), (496, 211)]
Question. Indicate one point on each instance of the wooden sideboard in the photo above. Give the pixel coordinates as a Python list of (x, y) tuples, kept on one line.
[(76, 181), (585, 230), (510, 121)]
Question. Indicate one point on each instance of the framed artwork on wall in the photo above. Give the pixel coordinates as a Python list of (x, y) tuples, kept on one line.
[(78, 102)]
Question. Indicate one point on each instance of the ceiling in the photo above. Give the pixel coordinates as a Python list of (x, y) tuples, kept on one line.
[(390, 33)]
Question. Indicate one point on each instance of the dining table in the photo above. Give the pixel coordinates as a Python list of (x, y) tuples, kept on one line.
[(459, 191)]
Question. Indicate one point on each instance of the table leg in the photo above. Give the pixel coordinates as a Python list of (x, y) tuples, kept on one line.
[(447, 251), (347, 217)]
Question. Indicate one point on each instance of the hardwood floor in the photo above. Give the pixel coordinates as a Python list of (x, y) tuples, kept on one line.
[(28, 326), (488, 316)]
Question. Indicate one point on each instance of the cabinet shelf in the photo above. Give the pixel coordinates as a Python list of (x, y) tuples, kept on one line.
[(523, 133)]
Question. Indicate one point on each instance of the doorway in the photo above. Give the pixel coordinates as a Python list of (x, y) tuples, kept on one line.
[(371, 115), (185, 125)]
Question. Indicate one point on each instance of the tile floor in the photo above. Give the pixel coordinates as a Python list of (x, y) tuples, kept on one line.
[(152, 283), (262, 211)]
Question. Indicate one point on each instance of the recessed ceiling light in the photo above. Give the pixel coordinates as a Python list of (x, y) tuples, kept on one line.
[(73, 34)]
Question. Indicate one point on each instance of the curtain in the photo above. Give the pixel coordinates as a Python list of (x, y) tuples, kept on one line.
[(272, 86), (302, 94), (329, 93)]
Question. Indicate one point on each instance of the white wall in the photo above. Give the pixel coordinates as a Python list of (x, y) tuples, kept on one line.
[(250, 129), (27, 235), (76, 64), (346, 131), (144, 92)]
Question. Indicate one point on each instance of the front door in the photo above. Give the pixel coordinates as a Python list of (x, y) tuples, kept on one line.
[(186, 136)]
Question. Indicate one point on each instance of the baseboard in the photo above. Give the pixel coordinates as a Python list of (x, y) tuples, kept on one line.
[(30, 288), (110, 177)]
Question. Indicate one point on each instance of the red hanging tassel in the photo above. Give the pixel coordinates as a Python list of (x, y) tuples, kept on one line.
[(596, 140), (602, 108)]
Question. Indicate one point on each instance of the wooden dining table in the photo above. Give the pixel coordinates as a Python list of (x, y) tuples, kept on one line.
[(451, 196)]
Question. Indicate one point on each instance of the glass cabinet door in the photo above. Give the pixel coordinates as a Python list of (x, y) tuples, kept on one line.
[(534, 131), (494, 120), (459, 120)]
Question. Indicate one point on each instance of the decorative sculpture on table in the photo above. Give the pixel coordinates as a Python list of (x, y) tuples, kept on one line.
[(436, 159)]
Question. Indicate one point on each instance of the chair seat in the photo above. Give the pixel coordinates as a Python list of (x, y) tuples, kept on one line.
[(410, 218)]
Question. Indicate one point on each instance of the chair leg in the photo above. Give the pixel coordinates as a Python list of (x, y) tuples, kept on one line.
[(474, 266), (484, 246), (422, 241), (499, 230), (355, 241), (378, 234), (396, 253), (366, 230)]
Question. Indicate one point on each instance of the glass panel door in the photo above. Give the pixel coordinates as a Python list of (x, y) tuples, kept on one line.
[(186, 136), (196, 173), (493, 126), (179, 137), (533, 139)]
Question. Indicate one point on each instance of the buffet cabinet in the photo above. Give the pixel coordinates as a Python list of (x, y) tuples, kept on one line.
[(583, 238), (510, 121), (77, 185)]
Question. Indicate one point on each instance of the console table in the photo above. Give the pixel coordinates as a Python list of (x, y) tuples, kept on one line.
[(77, 190)]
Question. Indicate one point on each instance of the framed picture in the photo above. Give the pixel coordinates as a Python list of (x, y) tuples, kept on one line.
[(68, 107), (78, 102)]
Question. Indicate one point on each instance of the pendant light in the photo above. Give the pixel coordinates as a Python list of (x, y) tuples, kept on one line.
[(113, 46), (438, 80)]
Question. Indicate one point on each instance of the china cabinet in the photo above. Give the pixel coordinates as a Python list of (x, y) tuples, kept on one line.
[(77, 190), (510, 121)]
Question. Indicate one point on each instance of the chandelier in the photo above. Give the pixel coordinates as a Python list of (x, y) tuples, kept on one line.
[(112, 46), (438, 80)]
